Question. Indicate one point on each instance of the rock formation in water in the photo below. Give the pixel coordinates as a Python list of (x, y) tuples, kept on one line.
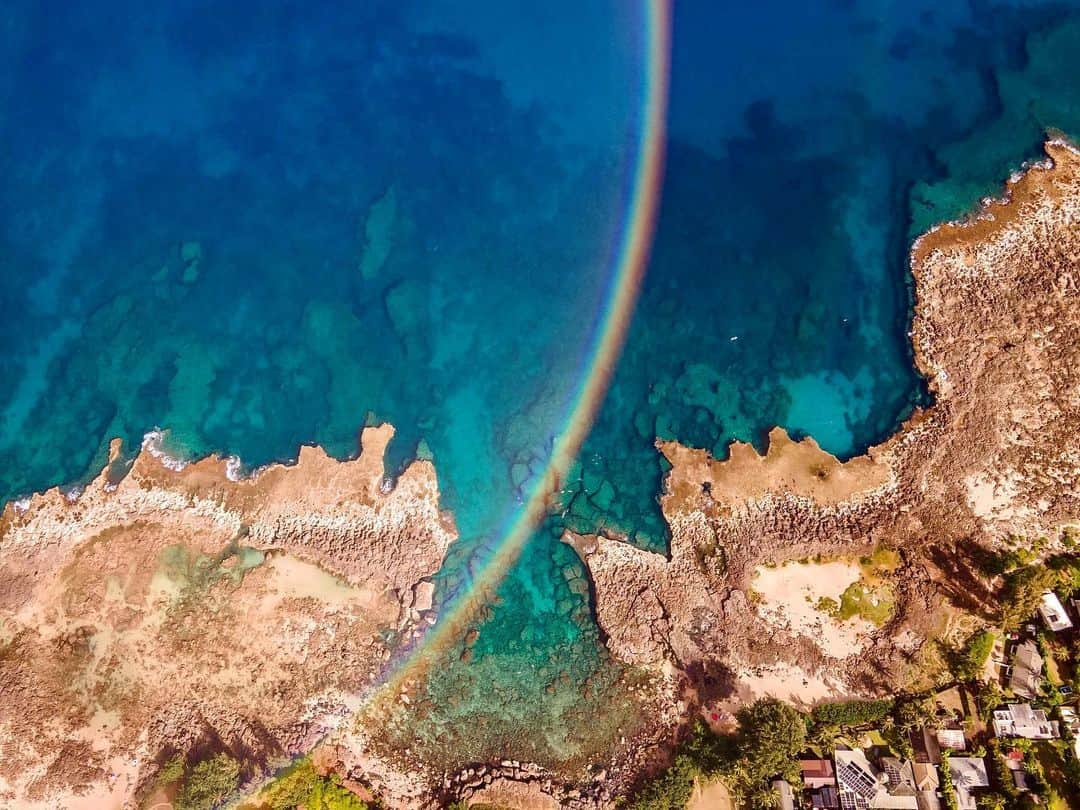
[(178, 610), (996, 332)]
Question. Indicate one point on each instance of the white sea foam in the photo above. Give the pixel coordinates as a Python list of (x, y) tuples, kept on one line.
[(20, 506), (152, 444), (74, 492), (234, 468)]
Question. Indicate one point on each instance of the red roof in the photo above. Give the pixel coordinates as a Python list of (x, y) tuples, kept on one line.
[(816, 767)]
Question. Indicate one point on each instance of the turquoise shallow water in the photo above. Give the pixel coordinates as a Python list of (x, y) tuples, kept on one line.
[(262, 226)]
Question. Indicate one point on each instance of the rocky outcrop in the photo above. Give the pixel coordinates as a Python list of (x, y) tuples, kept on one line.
[(174, 608), (996, 332)]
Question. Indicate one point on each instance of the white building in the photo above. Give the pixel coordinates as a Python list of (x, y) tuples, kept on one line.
[(865, 787), (1053, 612), (1020, 720)]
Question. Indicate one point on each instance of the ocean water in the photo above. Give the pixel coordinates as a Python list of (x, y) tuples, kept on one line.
[(263, 224)]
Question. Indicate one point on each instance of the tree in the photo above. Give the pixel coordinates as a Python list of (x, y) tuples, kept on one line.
[(671, 790), (971, 661), (991, 801), (771, 734), (209, 783), (912, 713), (1024, 588)]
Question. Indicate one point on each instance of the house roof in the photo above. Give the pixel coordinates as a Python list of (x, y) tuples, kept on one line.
[(969, 771), (900, 775), (1020, 720), (925, 745), (1027, 670), (864, 787), (926, 776), (825, 798), (968, 774), (816, 768), (952, 738), (1053, 612)]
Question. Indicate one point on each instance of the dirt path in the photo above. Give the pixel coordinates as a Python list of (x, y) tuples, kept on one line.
[(710, 796)]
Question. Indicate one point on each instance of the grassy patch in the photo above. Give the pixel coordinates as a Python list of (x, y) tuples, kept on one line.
[(882, 562), (875, 604), (1061, 793), (300, 785)]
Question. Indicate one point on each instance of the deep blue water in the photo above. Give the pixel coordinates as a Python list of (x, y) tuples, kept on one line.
[(260, 224)]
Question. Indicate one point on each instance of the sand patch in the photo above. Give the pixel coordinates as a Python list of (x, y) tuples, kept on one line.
[(791, 595), (789, 683), (710, 796)]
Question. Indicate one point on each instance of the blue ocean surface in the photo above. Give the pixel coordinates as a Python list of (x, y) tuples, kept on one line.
[(261, 224)]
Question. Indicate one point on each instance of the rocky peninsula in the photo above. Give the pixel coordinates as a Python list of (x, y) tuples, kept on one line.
[(994, 462), (168, 608)]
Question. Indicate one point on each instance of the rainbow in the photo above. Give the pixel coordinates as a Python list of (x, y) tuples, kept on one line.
[(630, 258)]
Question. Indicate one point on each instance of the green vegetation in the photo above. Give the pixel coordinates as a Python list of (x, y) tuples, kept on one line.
[(703, 754), (989, 698), (302, 786), (992, 801), (1054, 780), (1024, 588), (970, 662), (1025, 580), (771, 735), (852, 713), (670, 790), (171, 771), (1002, 775), (209, 783), (948, 789), (882, 560), (875, 604)]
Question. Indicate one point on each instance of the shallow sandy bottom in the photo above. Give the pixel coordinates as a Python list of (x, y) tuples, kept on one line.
[(789, 595)]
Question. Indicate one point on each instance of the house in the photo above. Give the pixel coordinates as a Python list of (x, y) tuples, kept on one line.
[(1027, 670), (968, 775), (900, 775), (927, 783), (825, 798), (786, 796), (1053, 612), (952, 738), (819, 779), (817, 773), (925, 746), (864, 787), (1020, 720)]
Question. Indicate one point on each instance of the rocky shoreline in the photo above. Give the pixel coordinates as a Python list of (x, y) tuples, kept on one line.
[(172, 608), (996, 332), (176, 610)]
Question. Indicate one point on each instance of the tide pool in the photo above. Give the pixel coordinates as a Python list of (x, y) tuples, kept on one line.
[(264, 225)]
